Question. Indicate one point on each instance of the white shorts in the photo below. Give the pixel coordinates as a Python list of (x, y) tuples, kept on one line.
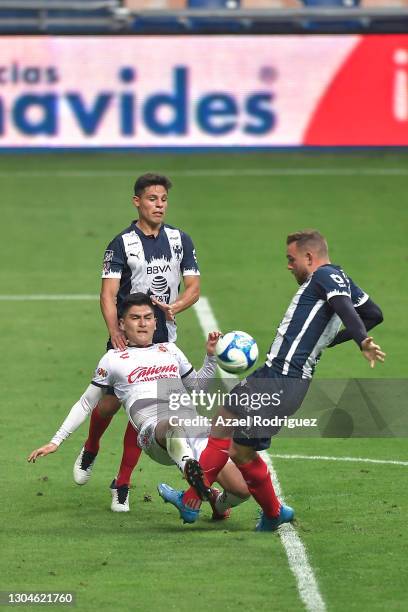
[(145, 421), (148, 443)]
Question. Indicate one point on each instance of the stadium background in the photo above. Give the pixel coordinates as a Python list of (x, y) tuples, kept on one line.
[(238, 201)]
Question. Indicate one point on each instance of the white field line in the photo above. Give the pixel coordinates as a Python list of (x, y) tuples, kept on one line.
[(325, 458), (211, 172), (209, 323), (295, 550), (297, 554)]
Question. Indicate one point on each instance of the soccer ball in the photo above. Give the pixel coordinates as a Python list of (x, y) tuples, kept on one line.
[(236, 352)]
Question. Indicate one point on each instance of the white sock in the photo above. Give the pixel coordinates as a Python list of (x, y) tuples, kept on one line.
[(178, 447), (227, 500)]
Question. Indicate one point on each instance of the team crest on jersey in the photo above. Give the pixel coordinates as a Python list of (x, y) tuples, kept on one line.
[(178, 251), (102, 372), (162, 348)]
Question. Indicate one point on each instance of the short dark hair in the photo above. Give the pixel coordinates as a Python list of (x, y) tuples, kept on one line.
[(135, 299), (149, 179), (309, 238)]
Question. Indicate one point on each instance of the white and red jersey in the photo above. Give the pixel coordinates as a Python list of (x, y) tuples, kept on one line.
[(134, 372)]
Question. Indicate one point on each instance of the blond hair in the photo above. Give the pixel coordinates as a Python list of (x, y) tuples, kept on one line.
[(309, 239)]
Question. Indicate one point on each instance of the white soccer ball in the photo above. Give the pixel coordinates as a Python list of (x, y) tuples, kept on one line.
[(236, 352)]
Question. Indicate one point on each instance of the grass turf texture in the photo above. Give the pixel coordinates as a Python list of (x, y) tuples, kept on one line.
[(63, 537)]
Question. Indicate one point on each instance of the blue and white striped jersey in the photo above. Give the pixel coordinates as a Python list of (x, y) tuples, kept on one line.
[(310, 323), (152, 265)]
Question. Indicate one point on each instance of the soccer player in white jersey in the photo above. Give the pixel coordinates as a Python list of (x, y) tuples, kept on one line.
[(326, 298), (134, 373), (152, 257)]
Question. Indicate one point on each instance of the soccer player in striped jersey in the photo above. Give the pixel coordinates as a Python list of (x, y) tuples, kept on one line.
[(151, 257), (326, 299)]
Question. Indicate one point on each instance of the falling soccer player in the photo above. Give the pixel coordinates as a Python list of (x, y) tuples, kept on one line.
[(134, 374)]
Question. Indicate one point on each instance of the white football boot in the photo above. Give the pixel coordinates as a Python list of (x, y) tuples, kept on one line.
[(120, 497), (83, 466)]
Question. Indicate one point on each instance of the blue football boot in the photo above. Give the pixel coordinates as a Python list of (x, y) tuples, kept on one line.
[(286, 515), (175, 497)]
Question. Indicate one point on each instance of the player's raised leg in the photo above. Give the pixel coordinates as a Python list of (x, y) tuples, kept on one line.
[(177, 444), (212, 459), (235, 490), (179, 449)]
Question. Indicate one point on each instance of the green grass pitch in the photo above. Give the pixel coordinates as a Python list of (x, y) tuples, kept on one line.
[(58, 213)]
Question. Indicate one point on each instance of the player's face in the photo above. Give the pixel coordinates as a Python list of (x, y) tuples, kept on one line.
[(152, 204), (298, 262), (139, 325)]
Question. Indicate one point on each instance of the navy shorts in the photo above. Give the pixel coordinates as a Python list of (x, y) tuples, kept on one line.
[(261, 402)]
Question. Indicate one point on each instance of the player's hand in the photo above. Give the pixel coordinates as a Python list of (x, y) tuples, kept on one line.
[(119, 340), (371, 351), (42, 452), (166, 308), (212, 341)]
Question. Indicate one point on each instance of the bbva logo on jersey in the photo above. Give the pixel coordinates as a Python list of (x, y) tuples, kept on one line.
[(157, 269)]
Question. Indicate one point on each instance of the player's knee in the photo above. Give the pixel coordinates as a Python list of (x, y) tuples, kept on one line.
[(108, 406), (172, 436)]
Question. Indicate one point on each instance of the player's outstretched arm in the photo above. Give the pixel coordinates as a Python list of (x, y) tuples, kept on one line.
[(200, 380), (76, 416), (343, 306), (42, 452), (371, 351), (370, 314), (211, 343)]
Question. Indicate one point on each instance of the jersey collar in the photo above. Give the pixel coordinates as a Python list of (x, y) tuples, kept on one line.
[(147, 236), (140, 347)]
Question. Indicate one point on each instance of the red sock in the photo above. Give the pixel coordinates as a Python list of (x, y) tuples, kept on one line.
[(97, 428), (212, 460), (130, 457), (260, 486)]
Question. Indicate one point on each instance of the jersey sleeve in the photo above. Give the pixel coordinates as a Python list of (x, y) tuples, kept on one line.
[(114, 259), (189, 264), (185, 366), (330, 281), (358, 296), (103, 375)]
